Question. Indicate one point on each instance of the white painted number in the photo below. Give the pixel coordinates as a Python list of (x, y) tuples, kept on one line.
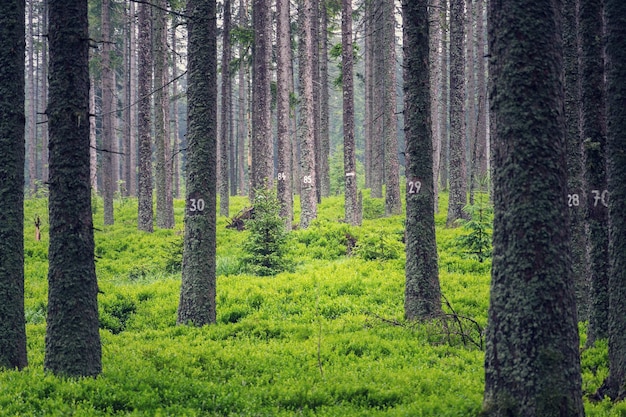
[(573, 200), (196, 204), (282, 176), (601, 197), (414, 187), (307, 179)]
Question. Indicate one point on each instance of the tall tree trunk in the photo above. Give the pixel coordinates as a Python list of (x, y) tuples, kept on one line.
[(283, 112), (615, 18), (12, 158), (352, 212), (108, 115), (458, 177), (226, 111), (422, 299), (43, 101), (444, 113), (393, 203), (593, 131), (532, 363), (72, 337), (262, 143), (93, 154), (368, 91), (242, 120), (163, 166), (576, 204), (377, 115), (482, 156), (176, 148), (31, 114), (308, 195), (436, 90), (324, 143), (145, 214), (197, 293)]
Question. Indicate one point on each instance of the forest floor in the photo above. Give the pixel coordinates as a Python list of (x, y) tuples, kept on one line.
[(325, 339)]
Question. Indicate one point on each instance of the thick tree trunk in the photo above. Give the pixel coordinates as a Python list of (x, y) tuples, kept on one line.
[(615, 17), (283, 112), (72, 336), (262, 142), (352, 212), (532, 363), (593, 131), (422, 299), (145, 215), (197, 293), (576, 203), (12, 158), (458, 175), (308, 194)]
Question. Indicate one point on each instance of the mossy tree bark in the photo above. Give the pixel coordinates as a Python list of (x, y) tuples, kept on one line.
[(197, 293), (615, 17), (72, 336), (422, 299), (532, 364), (12, 159), (593, 131)]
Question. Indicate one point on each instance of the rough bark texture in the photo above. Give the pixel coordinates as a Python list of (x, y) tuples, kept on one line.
[(593, 131), (262, 141), (284, 184), (197, 293), (31, 121), (12, 158), (458, 177), (532, 364), (72, 336), (615, 17), (108, 134), (145, 215), (308, 194), (163, 163), (436, 89), (226, 112), (393, 203), (352, 213), (576, 203), (422, 296)]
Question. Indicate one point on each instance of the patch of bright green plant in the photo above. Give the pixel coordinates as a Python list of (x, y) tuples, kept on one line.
[(476, 239)]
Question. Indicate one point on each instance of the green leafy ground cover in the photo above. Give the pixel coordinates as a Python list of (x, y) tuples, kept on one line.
[(326, 339)]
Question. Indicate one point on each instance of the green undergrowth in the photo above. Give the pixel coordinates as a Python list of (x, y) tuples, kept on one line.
[(326, 338)]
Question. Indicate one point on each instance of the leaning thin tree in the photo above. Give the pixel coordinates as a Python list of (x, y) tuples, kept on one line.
[(197, 293), (12, 157), (532, 364), (72, 335)]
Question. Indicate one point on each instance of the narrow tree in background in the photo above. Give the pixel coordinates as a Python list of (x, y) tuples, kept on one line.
[(308, 194), (532, 364), (593, 131), (226, 113), (145, 215), (284, 185), (108, 115), (12, 158), (72, 336), (324, 116), (422, 299), (197, 293), (615, 17), (458, 177), (352, 214), (163, 154)]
